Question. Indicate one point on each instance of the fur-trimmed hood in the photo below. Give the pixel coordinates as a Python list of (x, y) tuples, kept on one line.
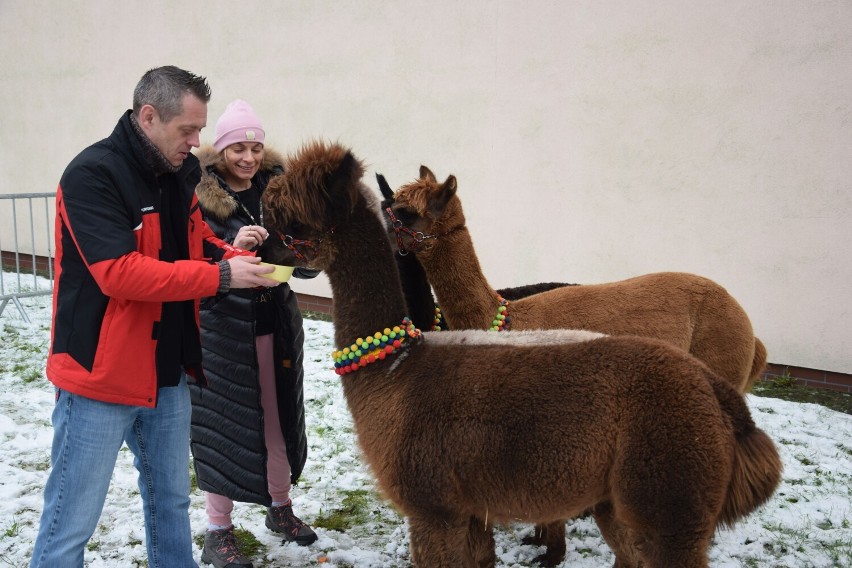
[(213, 193)]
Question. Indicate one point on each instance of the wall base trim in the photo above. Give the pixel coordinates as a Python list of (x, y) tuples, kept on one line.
[(813, 378)]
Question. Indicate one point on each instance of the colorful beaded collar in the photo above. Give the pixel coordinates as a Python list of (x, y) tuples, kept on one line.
[(375, 347), (439, 319), (499, 323)]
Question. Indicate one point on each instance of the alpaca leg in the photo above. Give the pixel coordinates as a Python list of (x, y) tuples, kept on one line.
[(481, 544), (537, 537), (635, 548), (438, 541), (686, 550), (617, 536), (552, 537)]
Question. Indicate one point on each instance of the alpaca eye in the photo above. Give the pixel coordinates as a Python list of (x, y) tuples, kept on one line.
[(406, 215)]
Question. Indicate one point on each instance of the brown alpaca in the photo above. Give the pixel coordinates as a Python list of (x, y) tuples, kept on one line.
[(688, 311), (462, 429)]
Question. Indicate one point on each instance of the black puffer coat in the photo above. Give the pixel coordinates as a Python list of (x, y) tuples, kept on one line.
[(227, 418)]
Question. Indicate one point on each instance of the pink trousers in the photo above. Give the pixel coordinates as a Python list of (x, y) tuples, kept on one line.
[(219, 507)]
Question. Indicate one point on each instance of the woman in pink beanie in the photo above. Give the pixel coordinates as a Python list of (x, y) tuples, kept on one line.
[(239, 124), (248, 423)]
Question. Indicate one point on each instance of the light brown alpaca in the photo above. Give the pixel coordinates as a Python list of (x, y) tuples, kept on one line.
[(688, 311), (465, 428)]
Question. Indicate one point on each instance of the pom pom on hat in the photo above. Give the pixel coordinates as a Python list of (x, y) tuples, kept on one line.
[(238, 123)]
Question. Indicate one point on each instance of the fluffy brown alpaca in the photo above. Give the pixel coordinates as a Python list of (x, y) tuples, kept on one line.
[(689, 311), (462, 429)]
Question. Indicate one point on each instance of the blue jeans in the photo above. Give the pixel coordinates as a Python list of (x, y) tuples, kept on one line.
[(87, 435)]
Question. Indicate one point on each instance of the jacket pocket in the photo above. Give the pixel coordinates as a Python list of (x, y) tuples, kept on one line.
[(148, 238)]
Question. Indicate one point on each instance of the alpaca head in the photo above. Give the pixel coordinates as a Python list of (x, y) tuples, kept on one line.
[(313, 198), (423, 206)]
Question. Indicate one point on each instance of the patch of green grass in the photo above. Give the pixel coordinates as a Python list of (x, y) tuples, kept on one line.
[(27, 373), (13, 530), (25, 271), (22, 358), (785, 381), (12, 338), (841, 553), (35, 463), (786, 540), (786, 388), (804, 460), (248, 543), (310, 314), (355, 510)]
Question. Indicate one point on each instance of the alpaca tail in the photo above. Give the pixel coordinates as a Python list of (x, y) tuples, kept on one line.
[(757, 465), (758, 364)]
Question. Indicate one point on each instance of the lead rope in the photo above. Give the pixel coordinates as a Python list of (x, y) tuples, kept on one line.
[(247, 212)]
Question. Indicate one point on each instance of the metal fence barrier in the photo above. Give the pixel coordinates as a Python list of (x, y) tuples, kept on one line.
[(27, 219)]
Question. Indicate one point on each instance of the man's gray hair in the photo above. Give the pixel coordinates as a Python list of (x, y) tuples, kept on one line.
[(164, 87)]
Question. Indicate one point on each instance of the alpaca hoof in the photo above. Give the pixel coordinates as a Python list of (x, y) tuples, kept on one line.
[(548, 559)]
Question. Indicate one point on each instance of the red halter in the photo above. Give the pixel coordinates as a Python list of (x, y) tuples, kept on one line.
[(294, 244), (417, 236)]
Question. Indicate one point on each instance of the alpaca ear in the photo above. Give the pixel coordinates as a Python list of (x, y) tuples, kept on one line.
[(450, 184), (445, 193), (426, 173), (386, 190), (342, 186)]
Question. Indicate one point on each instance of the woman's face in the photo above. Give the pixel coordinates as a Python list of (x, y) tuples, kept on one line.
[(242, 160)]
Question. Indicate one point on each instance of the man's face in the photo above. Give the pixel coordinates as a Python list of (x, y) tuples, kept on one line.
[(178, 136)]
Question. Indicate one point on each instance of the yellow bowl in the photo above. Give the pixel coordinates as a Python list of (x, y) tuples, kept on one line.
[(281, 273)]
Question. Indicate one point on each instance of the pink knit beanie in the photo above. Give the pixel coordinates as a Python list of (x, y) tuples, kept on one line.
[(237, 124)]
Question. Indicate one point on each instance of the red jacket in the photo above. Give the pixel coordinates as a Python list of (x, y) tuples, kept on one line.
[(109, 282)]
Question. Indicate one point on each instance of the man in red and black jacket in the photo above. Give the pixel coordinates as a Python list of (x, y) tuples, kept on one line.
[(130, 270)]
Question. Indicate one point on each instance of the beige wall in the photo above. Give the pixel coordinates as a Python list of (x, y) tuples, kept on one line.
[(592, 141)]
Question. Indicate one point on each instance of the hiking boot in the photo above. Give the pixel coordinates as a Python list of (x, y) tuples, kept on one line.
[(282, 520), (221, 550)]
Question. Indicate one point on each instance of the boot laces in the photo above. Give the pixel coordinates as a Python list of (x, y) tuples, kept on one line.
[(227, 546)]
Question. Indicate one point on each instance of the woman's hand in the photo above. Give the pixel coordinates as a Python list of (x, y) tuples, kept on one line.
[(250, 236)]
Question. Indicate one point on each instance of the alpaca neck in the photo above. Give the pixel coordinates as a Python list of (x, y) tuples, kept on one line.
[(364, 280), (466, 298), (417, 291)]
